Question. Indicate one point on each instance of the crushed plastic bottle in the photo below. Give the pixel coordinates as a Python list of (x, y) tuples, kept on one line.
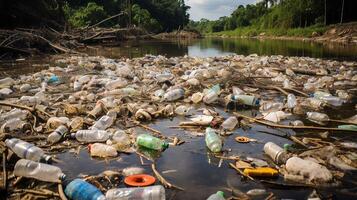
[(317, 117), (230, 123), (102, 150), (79, 189), (184, 110), (212, 94), (151, 142), (237, 91), (39, 171), (91, 135), (291, 102), (15, 124), (26, 150), (174, 94), (120, 140), (156, 192), (246, 100), (105, 121), (217, 196), (57, 135), (213, 141), (114, 84)]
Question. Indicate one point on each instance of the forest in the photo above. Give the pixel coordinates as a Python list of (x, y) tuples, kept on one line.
[(282, 14), (152, 15)]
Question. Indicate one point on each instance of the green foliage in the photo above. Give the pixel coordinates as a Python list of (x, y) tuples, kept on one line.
[(85, 16), (142, 18)]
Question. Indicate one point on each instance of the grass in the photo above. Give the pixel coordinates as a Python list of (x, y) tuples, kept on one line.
[(251, 31)]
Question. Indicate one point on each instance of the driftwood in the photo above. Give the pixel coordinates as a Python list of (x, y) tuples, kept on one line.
[(163, 180)]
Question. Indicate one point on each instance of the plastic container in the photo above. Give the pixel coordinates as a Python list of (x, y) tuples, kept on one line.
[(139, 180), (102, 150), (39, 171), (79, 189), (230, 123), (316, 116), (246, 100), (217, 196), (261, 172), (291, 102), (275, 152), (26, 150), (104, 122), (213, 141), (151, 142), (156, 192), (174, 94), (57, 135), (91, 135), (212, 94)]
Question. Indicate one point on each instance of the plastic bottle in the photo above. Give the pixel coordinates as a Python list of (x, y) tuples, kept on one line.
[(348, 127), (213, 141), (14, 113), (40, 171), (15, 124), (184, 110), (156, 192), (151, 142), (91, 135), (25, 87), (212, 94), (261, 172), (6, 82), (174, 94), (79, 189), (26, 150), (332, 100), (291, 102), (120, 140), (316, 116), (237, 91), (230, 123), (97, 110), (56, 135), (105, 121), (123, 91), (102, 150), (118, 83), (275, 152), (246, 100), (217, 196)]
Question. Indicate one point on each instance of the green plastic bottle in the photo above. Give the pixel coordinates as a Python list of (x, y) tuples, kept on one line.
[(217, 196), (348, 127), (151, 142)]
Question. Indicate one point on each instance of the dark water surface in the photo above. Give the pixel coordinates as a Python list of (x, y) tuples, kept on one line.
[(196, 170)]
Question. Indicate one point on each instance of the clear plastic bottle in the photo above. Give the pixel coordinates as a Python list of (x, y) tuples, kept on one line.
[(15, 124), (151, 142), (184, 110), (123, 91), (105, 121), (213, 141), (79, 189), (102, 150), (26, 150), (291, 102), (217, 196), (247, 100), (39, 171), (332, 100), (156, 192), (14, 113), (275, 152), (91, 135), (230, 123), (316, 116), (212, 94), (174, 94), (57, 135), (120, 140), (114, 84), (237, 91)]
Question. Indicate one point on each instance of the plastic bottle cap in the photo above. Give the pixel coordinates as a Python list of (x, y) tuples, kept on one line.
[(73, 135), (46, 158), (165, 145), (220, 193), (62, 176)]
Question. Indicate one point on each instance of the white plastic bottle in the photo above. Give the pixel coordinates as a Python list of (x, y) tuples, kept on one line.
[(91, 135), (102, 150), (26, 150), (230, 123), (174, 94), (291, 102), (156, 192), (56, 135), (40, 171)]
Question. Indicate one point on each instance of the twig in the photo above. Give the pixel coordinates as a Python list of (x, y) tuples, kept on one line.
[(60, 192), (241, 173), (290, 127), (4, 171), (163, 180), (109, 18)]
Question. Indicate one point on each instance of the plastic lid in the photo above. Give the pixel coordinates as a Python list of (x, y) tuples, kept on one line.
[(220, 193), (46, 158), (62, 176), (165, 145)]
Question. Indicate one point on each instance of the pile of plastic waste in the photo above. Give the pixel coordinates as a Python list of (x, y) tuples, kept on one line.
[(93, 102)]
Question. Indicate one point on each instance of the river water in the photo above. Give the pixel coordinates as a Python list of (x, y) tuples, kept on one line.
[(193, 167)]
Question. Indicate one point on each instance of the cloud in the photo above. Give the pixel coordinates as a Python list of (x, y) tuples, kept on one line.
[(214, 9)]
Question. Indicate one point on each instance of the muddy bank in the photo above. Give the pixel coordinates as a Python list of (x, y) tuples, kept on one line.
[(179, 34)]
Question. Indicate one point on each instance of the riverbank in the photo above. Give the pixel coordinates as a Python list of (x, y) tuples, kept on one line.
[(340, 33)]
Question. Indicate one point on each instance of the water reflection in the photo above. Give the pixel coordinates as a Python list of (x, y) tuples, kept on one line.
[(223, 46)]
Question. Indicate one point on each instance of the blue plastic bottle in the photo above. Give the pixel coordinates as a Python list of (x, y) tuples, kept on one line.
[(79, 189)]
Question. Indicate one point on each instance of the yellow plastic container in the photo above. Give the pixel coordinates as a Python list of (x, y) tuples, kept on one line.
[(261, 172)]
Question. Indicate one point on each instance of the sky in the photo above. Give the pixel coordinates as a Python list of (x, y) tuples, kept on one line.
[(214, 9)]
